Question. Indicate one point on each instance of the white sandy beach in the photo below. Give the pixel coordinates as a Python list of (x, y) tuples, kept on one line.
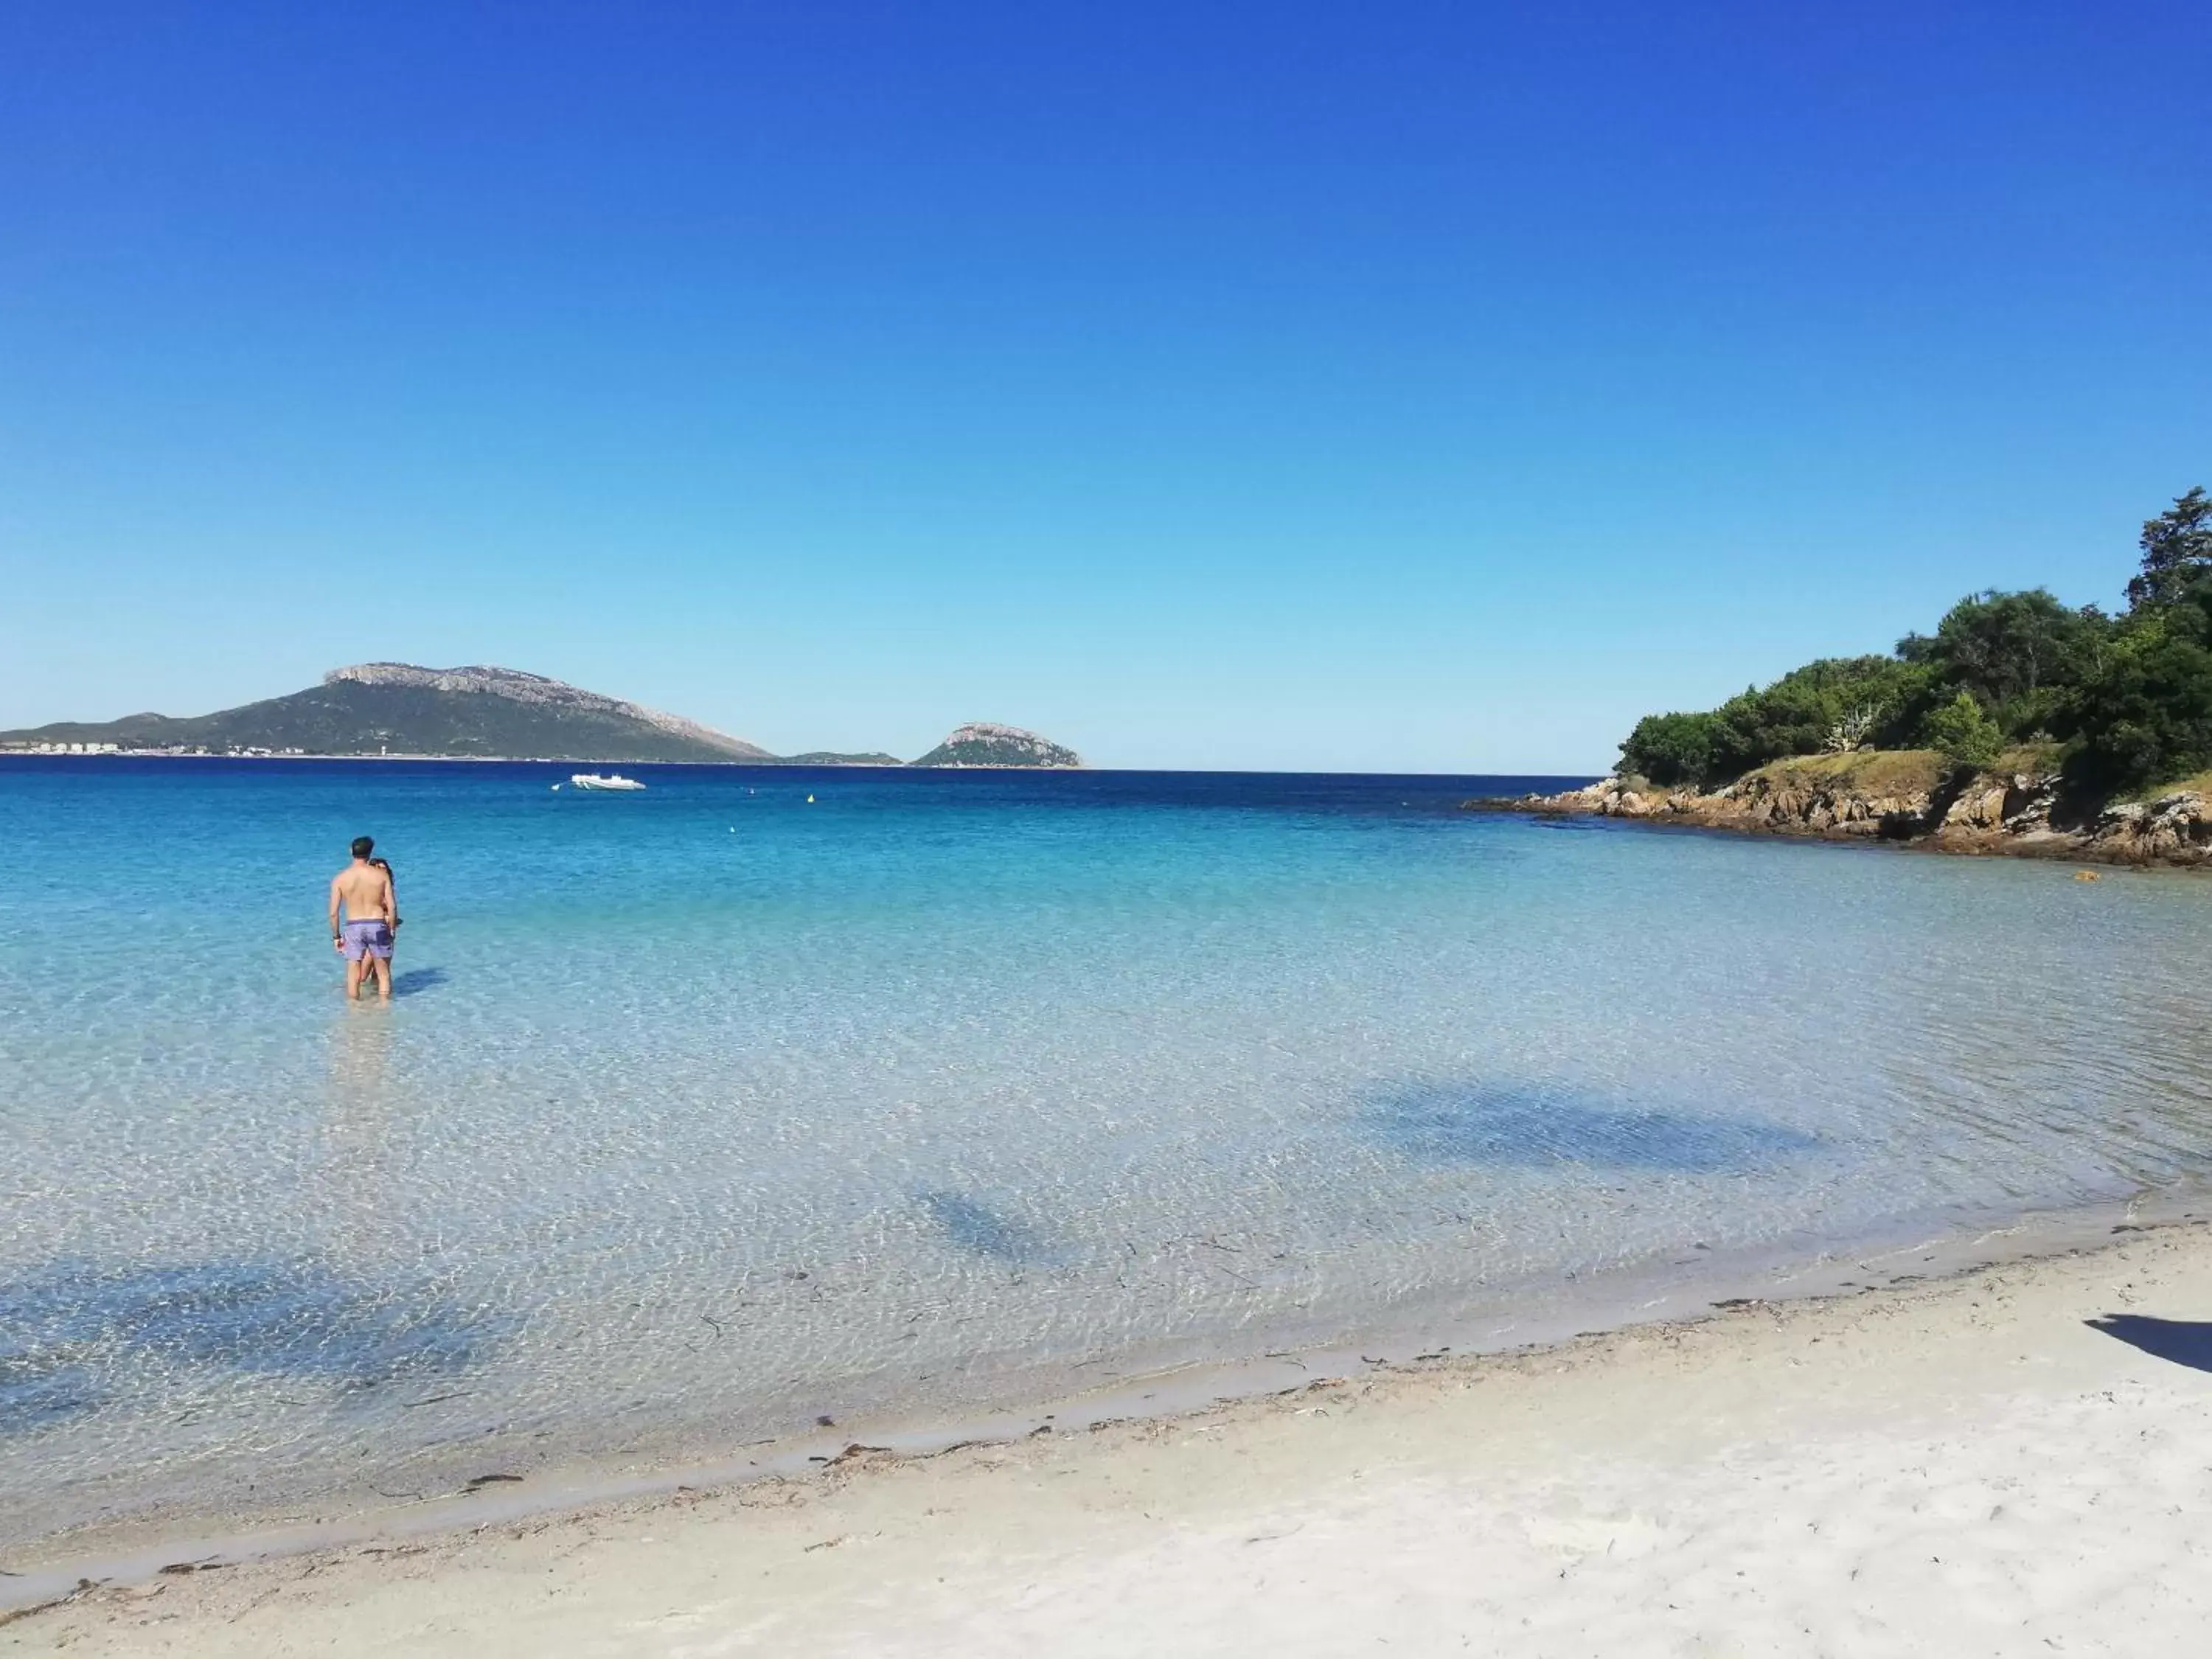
[(1961, 1468)]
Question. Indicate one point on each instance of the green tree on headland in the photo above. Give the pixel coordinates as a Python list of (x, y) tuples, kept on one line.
[(2130, 695), (2177, 552), (2017, 653), (2143, 716), (1963, 734)]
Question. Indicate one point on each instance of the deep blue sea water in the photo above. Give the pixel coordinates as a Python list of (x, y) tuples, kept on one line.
[(709, 1109)]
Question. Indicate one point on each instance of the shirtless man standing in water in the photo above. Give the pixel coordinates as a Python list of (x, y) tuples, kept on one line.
[(364, 938)]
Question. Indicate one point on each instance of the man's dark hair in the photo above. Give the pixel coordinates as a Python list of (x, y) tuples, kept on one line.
[(363, 846)]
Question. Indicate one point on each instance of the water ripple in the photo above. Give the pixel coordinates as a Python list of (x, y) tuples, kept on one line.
[(905, 1098)]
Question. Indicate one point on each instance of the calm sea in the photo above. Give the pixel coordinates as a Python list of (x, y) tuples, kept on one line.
[(767, 1094)]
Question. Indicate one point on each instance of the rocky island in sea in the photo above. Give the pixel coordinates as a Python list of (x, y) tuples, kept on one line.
[(982, 744), (2020, 726), (481, 712)]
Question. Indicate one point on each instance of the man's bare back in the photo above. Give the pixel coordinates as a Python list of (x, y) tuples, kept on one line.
[(363, 892)]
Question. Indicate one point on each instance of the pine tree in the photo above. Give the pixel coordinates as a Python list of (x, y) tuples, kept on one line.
[(2177, 547)]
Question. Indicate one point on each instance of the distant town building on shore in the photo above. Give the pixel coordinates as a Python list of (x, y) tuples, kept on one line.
[(234, 751)]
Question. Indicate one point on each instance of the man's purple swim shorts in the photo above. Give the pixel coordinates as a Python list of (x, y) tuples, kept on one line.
[(369, 937)]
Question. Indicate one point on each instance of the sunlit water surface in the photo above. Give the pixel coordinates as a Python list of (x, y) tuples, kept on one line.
[(708, 1109)]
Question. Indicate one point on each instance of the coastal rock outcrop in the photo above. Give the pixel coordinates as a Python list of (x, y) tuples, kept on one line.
[(2175, 829), (1908, 797)]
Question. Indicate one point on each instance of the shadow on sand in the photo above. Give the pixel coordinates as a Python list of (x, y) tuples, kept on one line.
[(415, 981), (2184, 1341)]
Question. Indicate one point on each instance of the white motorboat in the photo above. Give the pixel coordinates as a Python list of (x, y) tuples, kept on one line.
[(608, 781)]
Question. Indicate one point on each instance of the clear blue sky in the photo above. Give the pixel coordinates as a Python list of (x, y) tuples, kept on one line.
[(1433, 386)]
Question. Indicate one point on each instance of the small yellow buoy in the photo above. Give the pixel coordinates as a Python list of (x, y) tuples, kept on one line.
[(2086, 875)]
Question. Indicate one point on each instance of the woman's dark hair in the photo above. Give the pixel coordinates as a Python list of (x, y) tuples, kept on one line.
[(363, 846), (384, 864)]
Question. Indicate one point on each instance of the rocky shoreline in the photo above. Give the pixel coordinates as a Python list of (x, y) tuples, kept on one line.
[(2000, 812)]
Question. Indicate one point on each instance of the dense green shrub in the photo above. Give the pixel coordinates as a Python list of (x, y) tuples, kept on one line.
[(1837, 702), (1963, 734), (1670, 750), (2144, 715)]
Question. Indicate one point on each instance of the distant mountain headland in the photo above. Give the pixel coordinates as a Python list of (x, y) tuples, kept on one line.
[(982, 744), (477, 712)]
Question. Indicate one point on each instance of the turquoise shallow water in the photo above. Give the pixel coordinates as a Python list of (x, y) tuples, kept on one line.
[(708, 1109)]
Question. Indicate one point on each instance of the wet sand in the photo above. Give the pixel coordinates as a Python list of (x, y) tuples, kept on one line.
[(1962, 1467)]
